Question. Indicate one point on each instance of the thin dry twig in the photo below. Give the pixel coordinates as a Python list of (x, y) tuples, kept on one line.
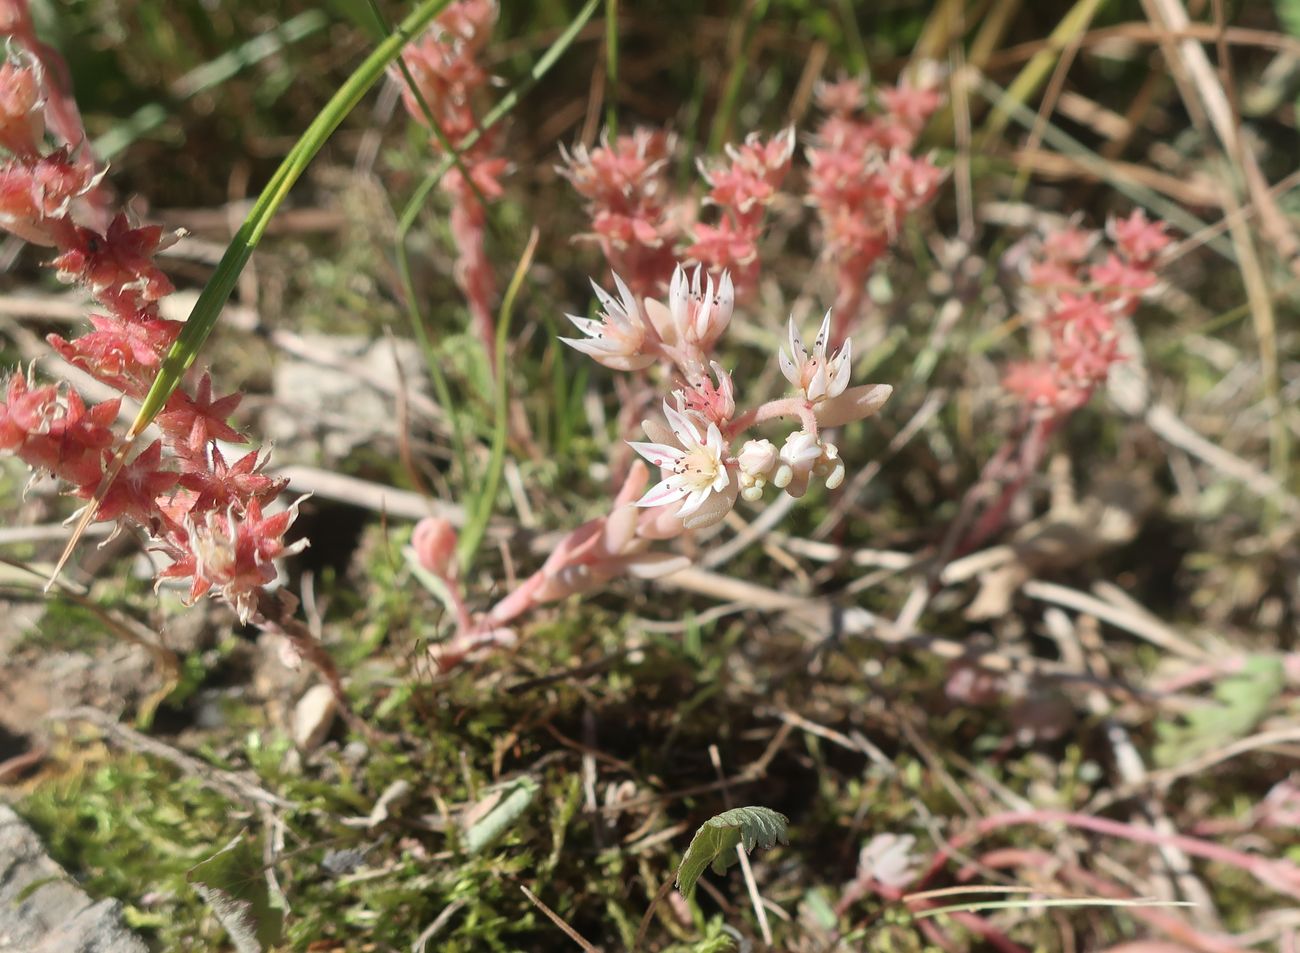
[(1142, 626), (555, 918)]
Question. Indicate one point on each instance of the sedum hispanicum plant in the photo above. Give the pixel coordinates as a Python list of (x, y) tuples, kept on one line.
[(699, 439)]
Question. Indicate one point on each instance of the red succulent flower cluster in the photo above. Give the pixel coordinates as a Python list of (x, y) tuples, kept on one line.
[(864, 181), (1081, 302), (205, 514), (446, 69)]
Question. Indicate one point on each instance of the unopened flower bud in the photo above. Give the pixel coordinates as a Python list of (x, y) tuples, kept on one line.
[(800, 452), (805, 456), (700, 311), (829, 466), (716, 403), (434, 542), (757, 460)]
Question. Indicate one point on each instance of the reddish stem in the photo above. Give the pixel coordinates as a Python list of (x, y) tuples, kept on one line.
[(1028, 455), (785, 407), (1280, 875)]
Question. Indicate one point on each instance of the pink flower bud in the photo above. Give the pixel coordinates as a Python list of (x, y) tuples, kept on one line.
[(21, 122), (434, 541)]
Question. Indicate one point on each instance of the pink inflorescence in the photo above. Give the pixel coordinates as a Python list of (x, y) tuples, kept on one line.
[(742, 187), (634, 216), (697, 438), (205, 513), (864, 180), (1081, 291), (643, 227), (445, 65)]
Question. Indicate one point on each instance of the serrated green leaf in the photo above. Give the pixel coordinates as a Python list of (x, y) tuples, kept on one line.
[(234, 884), (714, 844), (1242, 700)]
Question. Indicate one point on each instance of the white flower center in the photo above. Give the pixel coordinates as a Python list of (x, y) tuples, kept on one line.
[(699, 468)]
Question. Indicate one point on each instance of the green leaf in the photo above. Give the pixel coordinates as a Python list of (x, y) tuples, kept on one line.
[(481, 513), (1242, 702), (234, 884), (714, 844)]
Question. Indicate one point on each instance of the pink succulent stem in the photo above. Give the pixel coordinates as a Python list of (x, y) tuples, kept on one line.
[(473, 270), (1030, 454), (463, 620), (971, 921), (1166, 921), (796, 407), (1280, 875)]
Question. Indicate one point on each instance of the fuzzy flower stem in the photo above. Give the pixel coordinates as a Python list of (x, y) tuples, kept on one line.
[(772, 410)]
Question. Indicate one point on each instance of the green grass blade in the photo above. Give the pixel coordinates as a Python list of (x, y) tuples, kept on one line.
[(406, 221), (611, 67), (476, 525), (209, 75), (735, 79), (207, 309), (983, 905)]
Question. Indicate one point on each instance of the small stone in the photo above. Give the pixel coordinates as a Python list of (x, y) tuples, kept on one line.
[(42, 910), (313, 717)]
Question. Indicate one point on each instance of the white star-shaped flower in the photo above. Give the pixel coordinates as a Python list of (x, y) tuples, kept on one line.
[(617, 339), (817, 376), (693, 471), (700, 312)]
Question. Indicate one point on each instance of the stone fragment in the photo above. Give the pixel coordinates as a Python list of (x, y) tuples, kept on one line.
[(42, 910)]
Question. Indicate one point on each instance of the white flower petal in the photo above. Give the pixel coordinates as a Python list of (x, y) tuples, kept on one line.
[(661, 455), (592, 346), (677, 294), (816, 388), (610, 306), (841, 369), (713, 440), (788, 368), (823, 338), (683, 429), (629, 300), (726, 298), (703, 315), (797, 350), (586, 325), (661, 494), (694, 501)]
